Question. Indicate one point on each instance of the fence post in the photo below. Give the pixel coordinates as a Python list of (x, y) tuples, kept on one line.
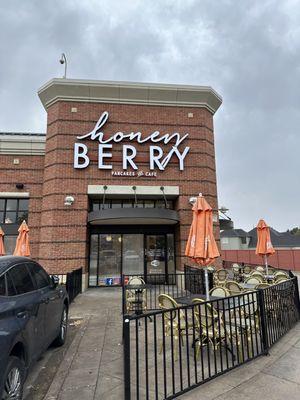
[(297, 300), (263, 320), (126, 347)]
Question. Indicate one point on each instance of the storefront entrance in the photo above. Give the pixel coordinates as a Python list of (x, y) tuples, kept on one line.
[(113, 254)]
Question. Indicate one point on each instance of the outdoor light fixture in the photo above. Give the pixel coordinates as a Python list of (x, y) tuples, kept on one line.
[(192, 200), (20, 185), (108, 238), (63, 60), (69, 200)]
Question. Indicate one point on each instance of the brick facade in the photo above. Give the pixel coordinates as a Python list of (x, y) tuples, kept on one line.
[(59, 234)]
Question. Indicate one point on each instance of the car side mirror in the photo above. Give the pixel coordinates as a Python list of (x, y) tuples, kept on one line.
[(55, 280)]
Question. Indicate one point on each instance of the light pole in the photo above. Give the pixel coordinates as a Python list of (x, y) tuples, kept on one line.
[(63, 60)]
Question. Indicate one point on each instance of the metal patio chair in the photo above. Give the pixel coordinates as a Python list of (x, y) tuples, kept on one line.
[(233, 287), (258, 275), (131, 295), (211, 329), (219, 291), (175, 323), (253, 280), (221, 276)]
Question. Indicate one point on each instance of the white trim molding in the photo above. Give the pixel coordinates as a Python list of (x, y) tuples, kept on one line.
[(79, 90), (15, 195), (120, 191)]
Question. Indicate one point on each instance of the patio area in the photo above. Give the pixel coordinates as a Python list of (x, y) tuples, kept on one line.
[(93, 365)]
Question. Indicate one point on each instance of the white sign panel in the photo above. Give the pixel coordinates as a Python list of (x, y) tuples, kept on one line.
[(158, 157)]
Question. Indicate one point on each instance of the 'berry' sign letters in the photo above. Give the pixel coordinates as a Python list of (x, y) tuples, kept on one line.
[(158, 158)]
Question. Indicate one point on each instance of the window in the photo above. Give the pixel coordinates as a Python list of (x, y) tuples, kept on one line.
[(2, 286), (244, 240), (96, 205), (21, 279), (13, 211), (11, 291), (39, 275), (10, 243)]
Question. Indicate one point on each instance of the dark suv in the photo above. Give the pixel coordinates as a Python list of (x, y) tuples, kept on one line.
[(33, 314)]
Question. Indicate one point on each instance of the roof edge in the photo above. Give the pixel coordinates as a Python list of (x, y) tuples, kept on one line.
[(61, 89)]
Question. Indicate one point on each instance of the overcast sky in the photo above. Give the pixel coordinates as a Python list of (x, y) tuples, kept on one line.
[(248, 51)]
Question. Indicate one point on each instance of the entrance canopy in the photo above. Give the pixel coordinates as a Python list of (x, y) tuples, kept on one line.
[(134, 216)]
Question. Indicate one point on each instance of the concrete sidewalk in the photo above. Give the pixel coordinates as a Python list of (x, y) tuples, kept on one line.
[(93, 366)]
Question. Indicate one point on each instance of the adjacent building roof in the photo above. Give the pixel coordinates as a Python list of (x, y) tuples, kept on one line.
[(22, 143), (278, 239), (234, 233)]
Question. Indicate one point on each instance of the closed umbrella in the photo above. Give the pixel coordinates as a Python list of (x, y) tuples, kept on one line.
[(22, 245), (201, 246), (2, 249), (264, 246)]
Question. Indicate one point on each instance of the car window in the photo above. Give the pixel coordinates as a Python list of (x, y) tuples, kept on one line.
[(21, 279), (2, 286), (11, 291), (39, 275)]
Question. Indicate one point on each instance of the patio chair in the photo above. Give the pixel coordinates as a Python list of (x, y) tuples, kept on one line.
[(211, 329), (236, 269), (131, 295), (219, 291), (258, 275), (246, 320), (247, 269), (262, 286), (233, 287), (281, 279), (253, 280), (172, 326), (259, 268), (221, 276), (280, 274)]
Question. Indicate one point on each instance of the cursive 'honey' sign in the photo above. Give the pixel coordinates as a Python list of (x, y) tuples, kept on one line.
[(158, 158)]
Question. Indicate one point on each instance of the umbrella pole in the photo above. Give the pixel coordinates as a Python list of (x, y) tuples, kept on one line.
[(206, 284), (266, 264)]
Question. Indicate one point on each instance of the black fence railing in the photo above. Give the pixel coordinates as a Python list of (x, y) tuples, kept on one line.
[(73, 282), (281, 309), (170, 351), (195, 279), (175, 285)]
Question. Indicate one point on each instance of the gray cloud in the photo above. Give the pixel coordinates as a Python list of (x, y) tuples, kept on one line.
[(248, 51)]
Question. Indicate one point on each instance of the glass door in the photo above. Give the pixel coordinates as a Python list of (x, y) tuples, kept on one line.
[(133, 254), (155, 254)]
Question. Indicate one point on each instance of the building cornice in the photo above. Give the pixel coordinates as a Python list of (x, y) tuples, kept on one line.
[(78, 90), (22, 144)]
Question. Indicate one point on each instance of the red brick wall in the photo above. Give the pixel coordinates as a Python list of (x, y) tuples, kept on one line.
[(58, 233), (30, 172), (286, 259), (63, 239)]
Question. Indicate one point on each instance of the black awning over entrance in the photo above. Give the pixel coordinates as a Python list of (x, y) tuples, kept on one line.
[(134, 216)]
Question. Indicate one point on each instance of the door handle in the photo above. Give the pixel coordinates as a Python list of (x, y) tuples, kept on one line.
[(22, 314)]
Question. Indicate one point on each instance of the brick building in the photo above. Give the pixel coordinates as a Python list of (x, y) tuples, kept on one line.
[(108, 187)]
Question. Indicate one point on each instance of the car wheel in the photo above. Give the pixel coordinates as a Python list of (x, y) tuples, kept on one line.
[(14, 378), (61, 338)]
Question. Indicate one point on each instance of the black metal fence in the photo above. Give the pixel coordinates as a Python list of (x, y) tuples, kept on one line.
[(73, 283), (170, 351), (175, 285), (195, 279)]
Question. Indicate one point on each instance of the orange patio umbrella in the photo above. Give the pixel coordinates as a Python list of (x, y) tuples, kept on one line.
[(22, 245), (201, 245), (264, 245), (2, 250)]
